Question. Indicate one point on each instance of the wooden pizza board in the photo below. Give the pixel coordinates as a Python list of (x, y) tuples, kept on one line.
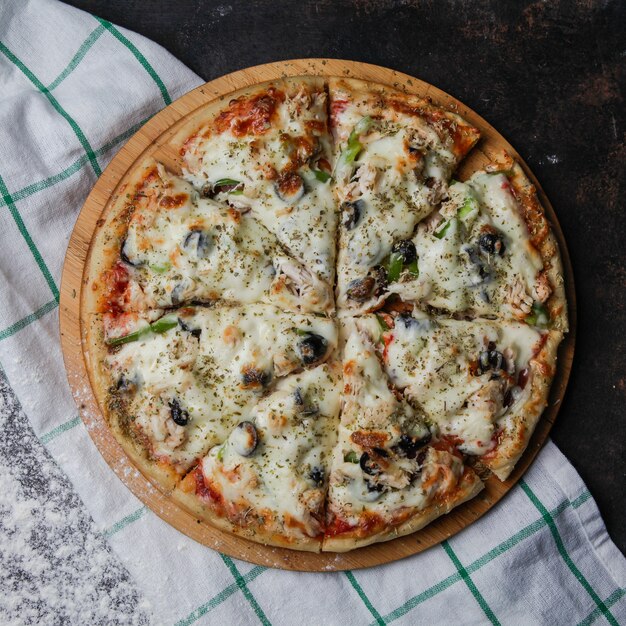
[(151, 140)]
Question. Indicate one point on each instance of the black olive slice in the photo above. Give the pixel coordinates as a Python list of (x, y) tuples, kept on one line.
[(312, 348), (178, 414)]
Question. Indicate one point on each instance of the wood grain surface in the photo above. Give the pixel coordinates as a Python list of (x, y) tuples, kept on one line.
[(152, 140)]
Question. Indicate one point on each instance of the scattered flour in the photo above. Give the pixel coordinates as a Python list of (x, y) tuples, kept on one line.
[(54, 566)]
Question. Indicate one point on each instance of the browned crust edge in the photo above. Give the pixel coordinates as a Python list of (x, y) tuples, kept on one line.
[(470, 486), (194, 505), (378, 90), (162, 475), (525, 419), (548, 248)]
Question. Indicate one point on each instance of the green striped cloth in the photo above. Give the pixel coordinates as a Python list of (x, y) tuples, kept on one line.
[(73, 89)]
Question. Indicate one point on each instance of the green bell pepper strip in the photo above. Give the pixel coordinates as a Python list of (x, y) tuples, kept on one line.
[(225, 182), (468, 206), (160, 326), (539, 316), (413, 268), (381, 322), (321, 175), (394, 268), (160, 269), (350, 154), (351, 457), (441, 233)]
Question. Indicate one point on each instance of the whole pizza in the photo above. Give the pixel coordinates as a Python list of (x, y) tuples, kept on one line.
[(306, 330)]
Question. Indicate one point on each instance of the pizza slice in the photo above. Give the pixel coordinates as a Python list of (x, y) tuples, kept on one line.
[(482, 384), (165, 245), (173, 385), (487, 251), (396, 154), (390, 474), (268, 150), (268, 480)]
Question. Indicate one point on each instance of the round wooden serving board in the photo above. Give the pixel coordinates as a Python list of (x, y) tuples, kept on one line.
[(151, 139)]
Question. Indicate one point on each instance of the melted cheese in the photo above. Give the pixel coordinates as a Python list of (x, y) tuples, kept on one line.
[(433, 362), (397, 177), (217, 379), (371, 407), (286, 473), (305, 226), (200, 250), (454, 273)]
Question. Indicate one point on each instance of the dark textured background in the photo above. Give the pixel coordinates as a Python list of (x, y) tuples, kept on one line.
[(548, 75)]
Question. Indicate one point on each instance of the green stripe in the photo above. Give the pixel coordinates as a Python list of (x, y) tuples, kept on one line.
[(72, 169), (29, 319), (505, 546), (617, 595), (241, 583), (77, 58), (53, 101), (501, 548), (366, 600), (59, 430), (142, 59), (220, 597), (582, 498), (564, 554), (8, 199), (470, 584), (125, 521)]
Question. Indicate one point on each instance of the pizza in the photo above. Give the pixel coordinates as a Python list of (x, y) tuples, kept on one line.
[(307, 325)]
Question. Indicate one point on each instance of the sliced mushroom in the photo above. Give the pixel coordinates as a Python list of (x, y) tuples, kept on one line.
[(289, 187), (198, 241), (194, 332), (352, 213), (312, 348), (253, 377), (124, 256), (245, 438)]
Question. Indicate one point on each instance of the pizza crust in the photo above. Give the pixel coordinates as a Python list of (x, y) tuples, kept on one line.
[(542, 370), (536, 220), (104, 251), (161, 474), (103, 256), (196, 507), (470, 486)]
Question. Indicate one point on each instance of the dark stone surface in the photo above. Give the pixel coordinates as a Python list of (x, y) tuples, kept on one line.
[(548, 75)]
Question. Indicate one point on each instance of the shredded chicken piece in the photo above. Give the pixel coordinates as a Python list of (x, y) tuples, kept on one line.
[(521, 302), (301, 100), (176, 433), (366, 175), (308, 290), (543, 288), (488, 400), (509, 354), (430, 223)]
